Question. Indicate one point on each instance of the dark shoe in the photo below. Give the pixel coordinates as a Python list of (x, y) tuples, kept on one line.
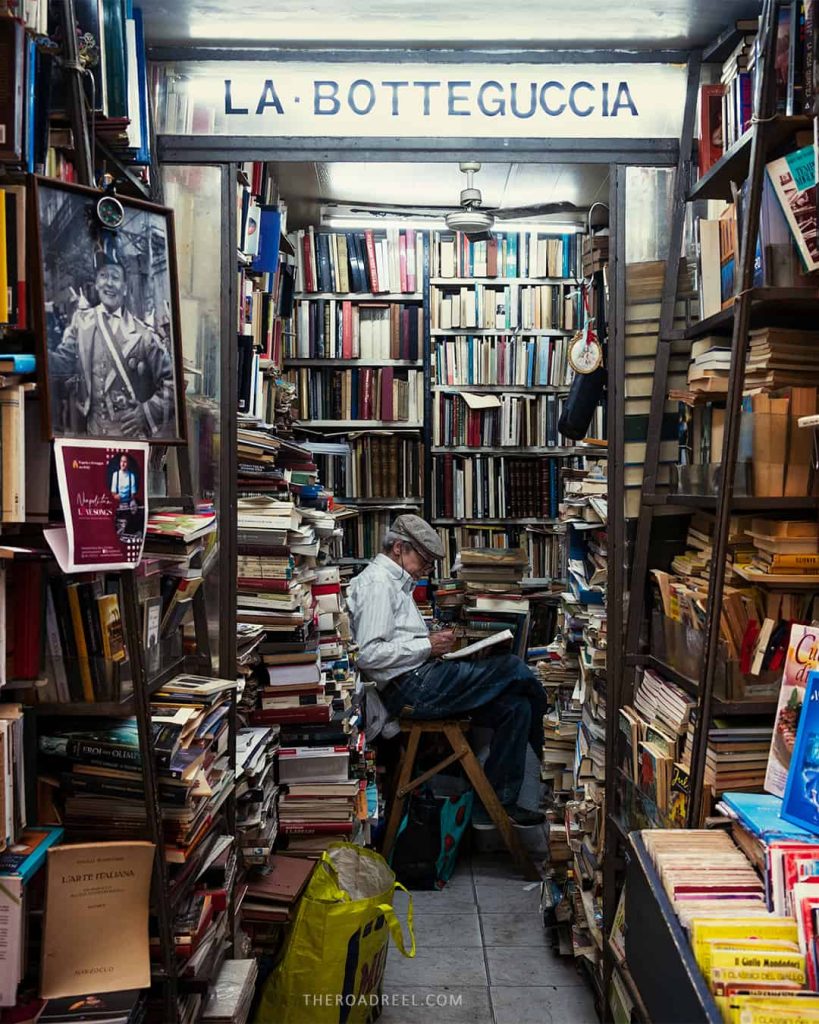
[(523, 817)]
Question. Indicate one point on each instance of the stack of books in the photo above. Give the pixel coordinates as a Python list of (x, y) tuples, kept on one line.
[(707, 372), (272, 899), (494, 600), (784, 548), (233, 992), (257, 795), (736, 754), (737, 80)]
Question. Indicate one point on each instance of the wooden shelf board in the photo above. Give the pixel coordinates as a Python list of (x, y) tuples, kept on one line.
[(769, 307), (748, 503), (359, 424), (733, 165), (787, 580), (477, 522), (547, 389), (505, 332), (518, 450), (459, 282), (344, 364), (363, 296), (378, 501)]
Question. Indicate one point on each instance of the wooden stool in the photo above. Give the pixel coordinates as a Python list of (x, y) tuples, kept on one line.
[(454, 731)]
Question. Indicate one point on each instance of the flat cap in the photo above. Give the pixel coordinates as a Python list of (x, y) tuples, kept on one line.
[(420, 534)]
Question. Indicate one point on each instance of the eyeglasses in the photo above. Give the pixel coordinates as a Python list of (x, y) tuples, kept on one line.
[(427, 563)]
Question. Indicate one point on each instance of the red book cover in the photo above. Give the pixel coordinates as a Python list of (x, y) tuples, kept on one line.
[(309, 279), (346, 329), (387, 411), (711, 138), (260, 583), (312, 714), (402, 260), (26, 598), (368, 237), (366, 403), (448, 470), (326, 588)]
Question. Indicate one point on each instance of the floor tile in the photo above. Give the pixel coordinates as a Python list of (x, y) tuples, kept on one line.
[(514, 900), (434, 902), (455, 966), (448, 929), (528, 1005), (493, 866), (453, 1004), (532, 967), (512, 932)]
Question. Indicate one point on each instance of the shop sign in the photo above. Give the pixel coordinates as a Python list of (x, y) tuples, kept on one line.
[(565, 101)]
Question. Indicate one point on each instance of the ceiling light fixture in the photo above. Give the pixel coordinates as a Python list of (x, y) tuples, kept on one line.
[(438, 224)]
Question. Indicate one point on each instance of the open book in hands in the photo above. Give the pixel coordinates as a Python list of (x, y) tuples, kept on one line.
[(481, 645)]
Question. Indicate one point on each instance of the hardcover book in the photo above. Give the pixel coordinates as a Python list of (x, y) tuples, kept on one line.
[(802, 658)]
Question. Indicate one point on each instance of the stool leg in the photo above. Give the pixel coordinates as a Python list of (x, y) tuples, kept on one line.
[(397, 809), (489, 799)]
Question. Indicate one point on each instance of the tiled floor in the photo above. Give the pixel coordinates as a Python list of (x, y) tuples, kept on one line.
[(482, 957)]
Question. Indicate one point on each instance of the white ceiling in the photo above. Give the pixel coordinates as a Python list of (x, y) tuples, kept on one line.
[(585, 24), (306, 185)]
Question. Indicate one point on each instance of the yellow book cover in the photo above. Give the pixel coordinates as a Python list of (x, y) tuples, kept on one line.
[(737, 1001), (719, 977), (762, 926), (771, 1011), (761, 960), (79, 639)]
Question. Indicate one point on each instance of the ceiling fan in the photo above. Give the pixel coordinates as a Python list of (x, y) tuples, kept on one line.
[(470, 217)]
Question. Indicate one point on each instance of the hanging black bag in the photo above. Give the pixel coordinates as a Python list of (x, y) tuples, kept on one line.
[(583, 398)]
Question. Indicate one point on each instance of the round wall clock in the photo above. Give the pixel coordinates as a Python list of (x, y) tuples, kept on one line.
[(585, 351)]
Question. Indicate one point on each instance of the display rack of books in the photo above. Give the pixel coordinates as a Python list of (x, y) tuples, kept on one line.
[(502, 312), (357, 360), (266, 278), (573, 673), (722, 594)]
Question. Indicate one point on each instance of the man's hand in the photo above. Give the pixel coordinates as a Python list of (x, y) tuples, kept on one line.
[(133, 421), (442, 642)]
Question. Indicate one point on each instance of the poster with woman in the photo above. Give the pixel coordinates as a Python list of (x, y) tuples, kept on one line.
[(104, 500)]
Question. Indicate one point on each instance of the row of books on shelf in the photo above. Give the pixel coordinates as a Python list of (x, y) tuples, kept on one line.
[(265, 300), (341, 329), (510, 420), (525, 362), (543, 552), (506, 253), (376, 465), (504, 307), (387, 394), (384, 260), (495, 487), (726, 107)]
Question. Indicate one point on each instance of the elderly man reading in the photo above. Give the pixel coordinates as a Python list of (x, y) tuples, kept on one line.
[(397, 651)]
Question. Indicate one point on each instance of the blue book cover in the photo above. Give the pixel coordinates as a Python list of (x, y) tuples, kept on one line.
[(761, 815), (270, 228), (15, 362), (143, 154), (530, 363), (800, 804), (26, 856)]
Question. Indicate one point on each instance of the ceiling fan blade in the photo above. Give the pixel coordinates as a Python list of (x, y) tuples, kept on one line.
[(478, 236), (389, 209), (537, 210)]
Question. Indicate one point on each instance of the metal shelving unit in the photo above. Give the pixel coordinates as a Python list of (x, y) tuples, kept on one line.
[(657, 950)]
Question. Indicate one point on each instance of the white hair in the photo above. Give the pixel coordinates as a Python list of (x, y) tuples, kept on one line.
[(390, 537)]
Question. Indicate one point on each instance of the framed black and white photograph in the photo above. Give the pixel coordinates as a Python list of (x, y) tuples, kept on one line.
[(107, 310)]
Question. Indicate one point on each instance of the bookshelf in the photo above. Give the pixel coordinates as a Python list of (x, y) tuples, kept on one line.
[(357, 360), (501, 312), (750, 289)]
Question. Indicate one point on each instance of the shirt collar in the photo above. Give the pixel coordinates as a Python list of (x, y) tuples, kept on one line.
[(396, 571)]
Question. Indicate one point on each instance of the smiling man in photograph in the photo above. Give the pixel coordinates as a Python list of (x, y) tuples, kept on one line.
[(117, 372)]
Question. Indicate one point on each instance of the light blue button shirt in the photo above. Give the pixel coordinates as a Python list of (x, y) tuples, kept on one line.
[(390, 630)]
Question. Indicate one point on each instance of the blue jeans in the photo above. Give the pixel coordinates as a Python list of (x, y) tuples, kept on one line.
[(501, 693)]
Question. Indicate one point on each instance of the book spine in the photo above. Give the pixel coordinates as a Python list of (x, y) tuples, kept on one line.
[(80, 642)]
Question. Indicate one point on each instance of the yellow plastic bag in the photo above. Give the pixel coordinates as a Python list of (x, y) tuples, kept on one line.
[(333, 963)]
